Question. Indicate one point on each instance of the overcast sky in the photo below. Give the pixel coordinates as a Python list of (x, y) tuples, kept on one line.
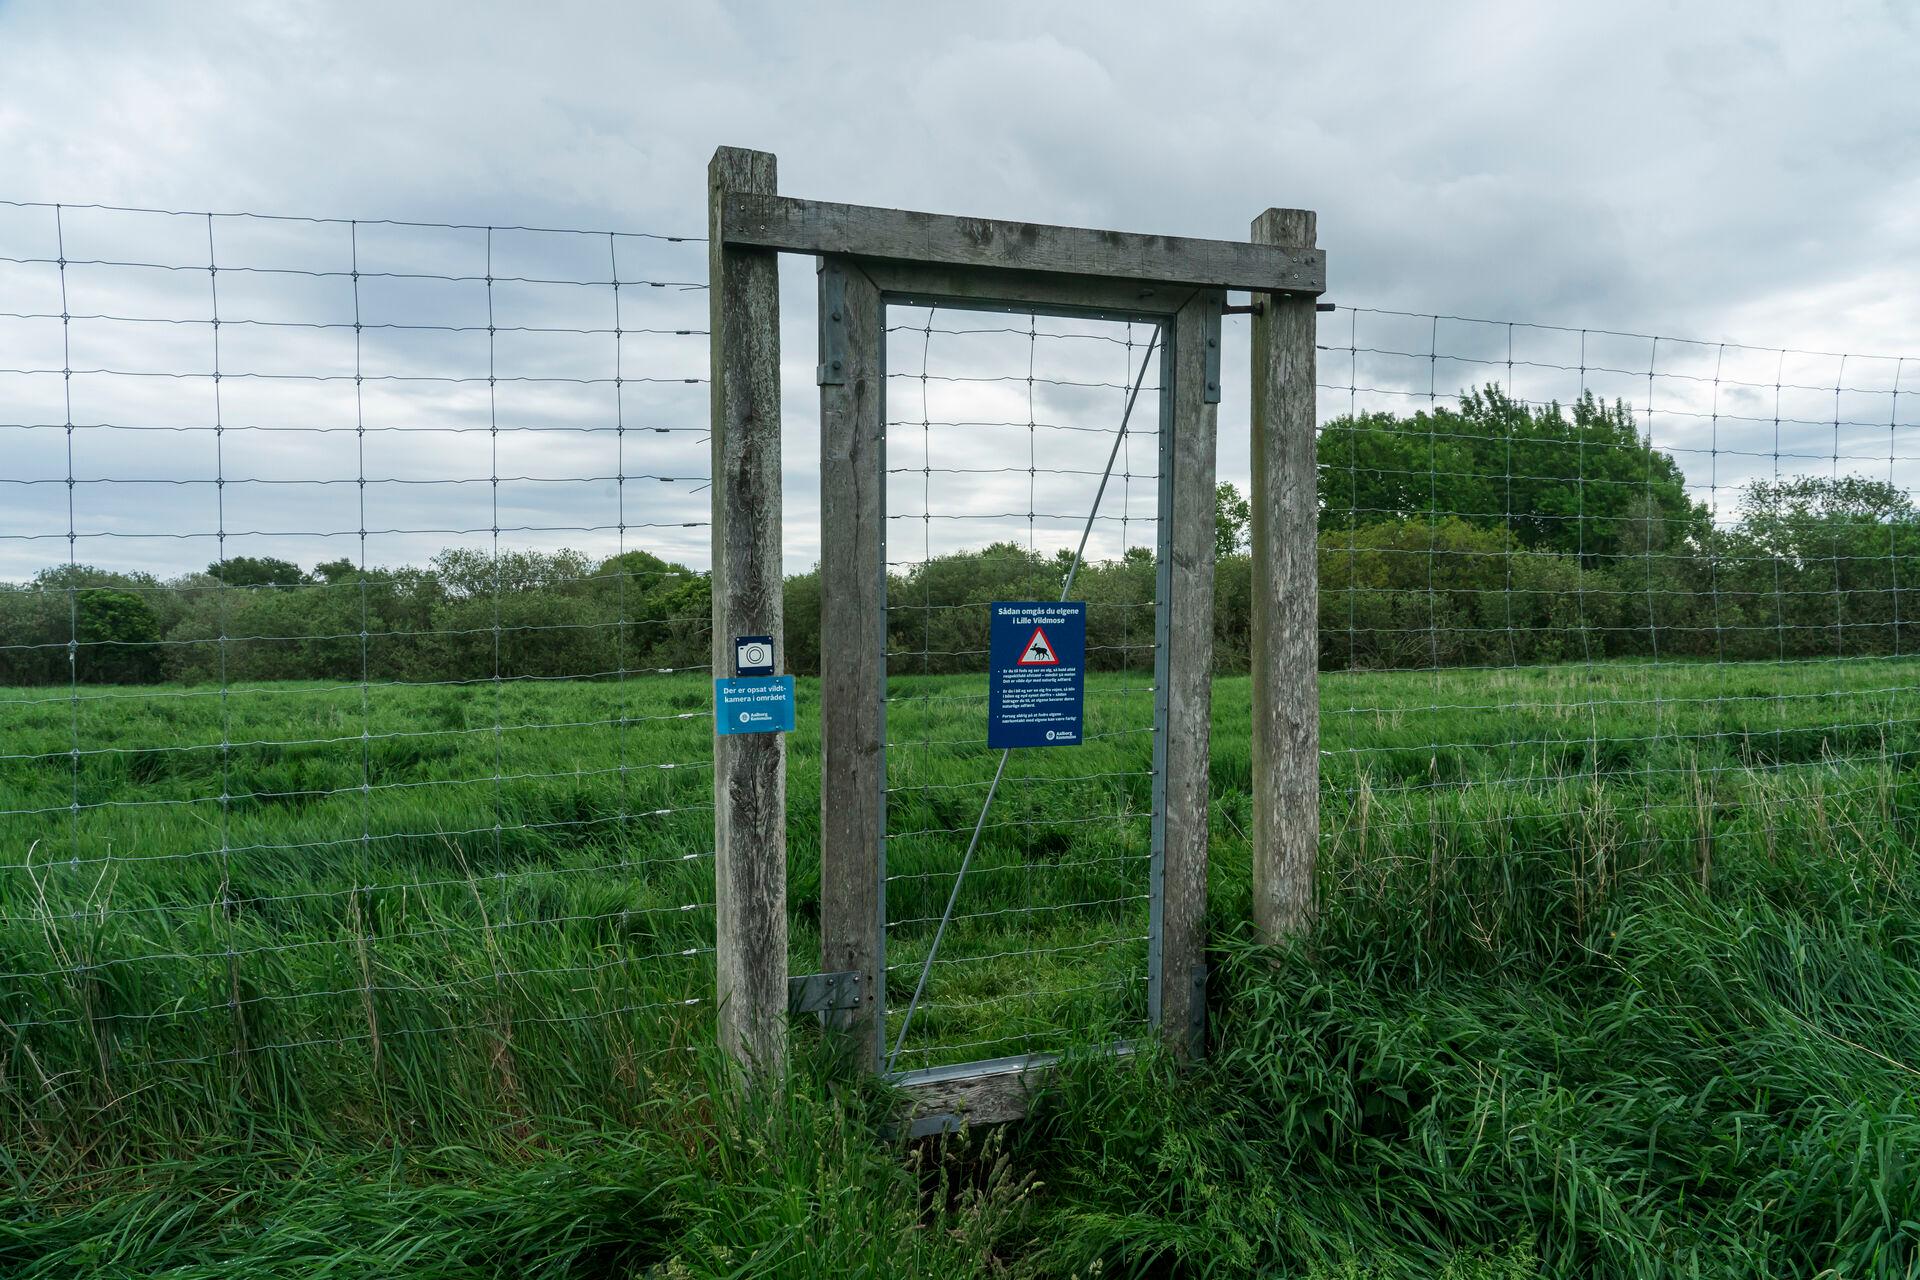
[(1745, 173)]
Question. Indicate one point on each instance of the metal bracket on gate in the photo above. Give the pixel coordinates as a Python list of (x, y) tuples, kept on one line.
[(1213, 350), (832, 370), (823, 992)]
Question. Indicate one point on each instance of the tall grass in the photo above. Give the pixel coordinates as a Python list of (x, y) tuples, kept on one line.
[(1617, 973)]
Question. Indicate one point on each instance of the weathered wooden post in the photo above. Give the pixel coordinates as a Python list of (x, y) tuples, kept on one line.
[(868, 256), (853, 640), (749, 770), (1185, 658), (1286, 670)]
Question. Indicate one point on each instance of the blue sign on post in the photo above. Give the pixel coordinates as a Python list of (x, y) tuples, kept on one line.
[(757, 704), (1036, 688)]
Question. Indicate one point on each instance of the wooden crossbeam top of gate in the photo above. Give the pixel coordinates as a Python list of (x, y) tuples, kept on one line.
[(863, 231)]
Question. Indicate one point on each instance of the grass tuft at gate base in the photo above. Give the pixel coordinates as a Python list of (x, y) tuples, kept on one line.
[(1653, 1013)]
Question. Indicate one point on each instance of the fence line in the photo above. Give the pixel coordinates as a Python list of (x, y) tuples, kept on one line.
[(331, 730), (489, 810), (1683, 564)]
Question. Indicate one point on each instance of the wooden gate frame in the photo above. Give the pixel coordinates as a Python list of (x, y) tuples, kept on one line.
[(867, 257)]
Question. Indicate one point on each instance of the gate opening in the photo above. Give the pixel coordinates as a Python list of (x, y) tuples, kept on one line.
[(1021, 450), (970, 372)]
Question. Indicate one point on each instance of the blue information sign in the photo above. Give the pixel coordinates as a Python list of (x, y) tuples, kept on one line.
[(1036, 687), (757, 704)]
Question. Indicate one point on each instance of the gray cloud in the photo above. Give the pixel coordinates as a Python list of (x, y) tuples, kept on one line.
[(1708, 172)]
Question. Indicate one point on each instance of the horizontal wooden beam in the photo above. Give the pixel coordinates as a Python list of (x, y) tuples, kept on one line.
[(1023, 292), (752, 220)]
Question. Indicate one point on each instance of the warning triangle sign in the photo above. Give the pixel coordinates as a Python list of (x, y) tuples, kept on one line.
[(1039, 651)]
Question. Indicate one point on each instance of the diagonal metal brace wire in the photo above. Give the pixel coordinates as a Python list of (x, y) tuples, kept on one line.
[(979, 825)]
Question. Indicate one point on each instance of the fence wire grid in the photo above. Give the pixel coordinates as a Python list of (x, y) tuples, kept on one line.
[(999, 431), (351, 663), (1635, 599), (354, 652)]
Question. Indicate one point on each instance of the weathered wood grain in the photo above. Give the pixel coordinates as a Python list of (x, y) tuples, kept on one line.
[(821, 227), (749, 771), (852, 639), (1286, 668), (1187, 674), (1022, 292)]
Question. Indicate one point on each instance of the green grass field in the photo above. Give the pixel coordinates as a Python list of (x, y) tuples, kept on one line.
[(1618, 973)]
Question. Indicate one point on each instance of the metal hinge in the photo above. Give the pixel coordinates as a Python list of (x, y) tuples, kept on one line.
[(1213, 349), (823, 992), (832, 369)]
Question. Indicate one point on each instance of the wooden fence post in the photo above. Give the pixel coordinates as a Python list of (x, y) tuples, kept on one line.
[(1186, 586), (853, 629), (749, 770), (1286, 672)]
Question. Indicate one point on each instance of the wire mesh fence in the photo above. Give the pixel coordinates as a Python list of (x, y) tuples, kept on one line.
[(1001, 429), (1625, 597), (354, 647), (352, 690)]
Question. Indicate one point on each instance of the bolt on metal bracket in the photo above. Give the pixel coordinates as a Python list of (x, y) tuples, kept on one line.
[(823, 992), (1213, 350), (832, 370)]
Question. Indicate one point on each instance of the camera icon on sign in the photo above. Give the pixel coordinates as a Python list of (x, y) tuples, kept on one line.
[(754, 653)]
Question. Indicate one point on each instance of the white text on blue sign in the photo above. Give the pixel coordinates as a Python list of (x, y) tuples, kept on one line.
[(1036, 687), (754, 704)]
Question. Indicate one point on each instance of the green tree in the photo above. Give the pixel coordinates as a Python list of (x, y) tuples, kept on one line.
[(341, 570), (1414, 593), (1232, 517), (1579, 480), (937, 617), (668, 611), (257, 571), (1828, 564), (35, 625), (118, 638)]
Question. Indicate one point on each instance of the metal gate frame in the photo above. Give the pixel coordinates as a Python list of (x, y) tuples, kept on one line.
[(867, 258)]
